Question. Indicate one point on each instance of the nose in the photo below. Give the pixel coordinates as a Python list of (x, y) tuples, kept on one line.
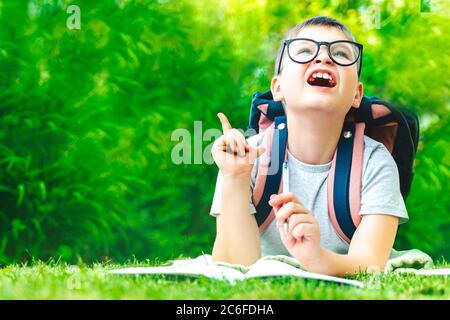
[(323, 56)]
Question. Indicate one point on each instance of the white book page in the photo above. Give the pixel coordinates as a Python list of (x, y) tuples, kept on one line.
[(202, 259), (210, 271), (273, 268), (286, 259)]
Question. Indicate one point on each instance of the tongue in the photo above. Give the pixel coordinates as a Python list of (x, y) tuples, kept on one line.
[(321, 82)]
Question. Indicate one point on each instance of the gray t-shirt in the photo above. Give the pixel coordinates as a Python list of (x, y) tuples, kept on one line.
[(380, 194)]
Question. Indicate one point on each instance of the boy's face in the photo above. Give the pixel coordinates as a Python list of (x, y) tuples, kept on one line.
[(292, 84)]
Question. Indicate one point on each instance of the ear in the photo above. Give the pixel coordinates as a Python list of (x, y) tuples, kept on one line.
[(358, 96), (275, 87)]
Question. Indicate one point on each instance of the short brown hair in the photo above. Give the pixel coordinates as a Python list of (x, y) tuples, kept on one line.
[(316, 21)]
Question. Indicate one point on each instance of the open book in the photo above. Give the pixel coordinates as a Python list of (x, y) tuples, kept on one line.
[(269, 266)]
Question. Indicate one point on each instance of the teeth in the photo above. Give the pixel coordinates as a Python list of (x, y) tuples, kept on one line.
[(323, 75)]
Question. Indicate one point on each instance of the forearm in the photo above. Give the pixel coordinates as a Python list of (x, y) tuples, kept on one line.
[(237, 238), (335, 264)]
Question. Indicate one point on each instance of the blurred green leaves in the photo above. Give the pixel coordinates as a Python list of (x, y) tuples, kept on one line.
[(87, 116)]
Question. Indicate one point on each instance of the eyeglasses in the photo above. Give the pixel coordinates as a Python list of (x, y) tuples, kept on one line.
[(342, 52)]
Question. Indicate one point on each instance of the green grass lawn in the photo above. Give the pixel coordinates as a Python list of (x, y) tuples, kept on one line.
[(62, 281)]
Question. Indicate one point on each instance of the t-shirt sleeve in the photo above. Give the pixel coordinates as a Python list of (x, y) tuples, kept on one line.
[(380, 192), (217, 199)]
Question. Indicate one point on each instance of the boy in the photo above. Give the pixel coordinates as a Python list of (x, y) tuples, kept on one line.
[(317, 80)]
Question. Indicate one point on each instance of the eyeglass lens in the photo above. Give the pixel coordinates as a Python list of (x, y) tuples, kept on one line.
[(303, 51)]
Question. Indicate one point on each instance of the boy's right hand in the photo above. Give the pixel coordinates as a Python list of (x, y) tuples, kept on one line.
[(232, 153)]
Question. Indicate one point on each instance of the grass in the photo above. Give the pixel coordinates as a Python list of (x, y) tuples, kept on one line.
[(62, 281)]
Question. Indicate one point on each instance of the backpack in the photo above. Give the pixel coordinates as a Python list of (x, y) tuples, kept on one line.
[(396, 128)]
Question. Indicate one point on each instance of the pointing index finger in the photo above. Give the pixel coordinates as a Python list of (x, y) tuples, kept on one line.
[(226, 126)]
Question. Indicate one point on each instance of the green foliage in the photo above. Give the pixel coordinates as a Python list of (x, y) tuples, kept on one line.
[(87, 116)]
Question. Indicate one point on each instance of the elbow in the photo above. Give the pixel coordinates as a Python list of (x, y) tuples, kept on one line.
[(223, 253), (375, 266), (370, 264)]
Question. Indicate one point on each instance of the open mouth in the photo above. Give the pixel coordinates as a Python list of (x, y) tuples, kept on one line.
[(322, 78)]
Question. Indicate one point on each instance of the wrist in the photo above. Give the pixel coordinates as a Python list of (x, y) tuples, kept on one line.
[(316, 262), (237, 177)]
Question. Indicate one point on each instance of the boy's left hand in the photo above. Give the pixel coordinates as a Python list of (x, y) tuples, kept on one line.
[(303, 237)]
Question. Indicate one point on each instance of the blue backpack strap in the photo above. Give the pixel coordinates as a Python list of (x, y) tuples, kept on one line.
[(341, 192), (273, 181)]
